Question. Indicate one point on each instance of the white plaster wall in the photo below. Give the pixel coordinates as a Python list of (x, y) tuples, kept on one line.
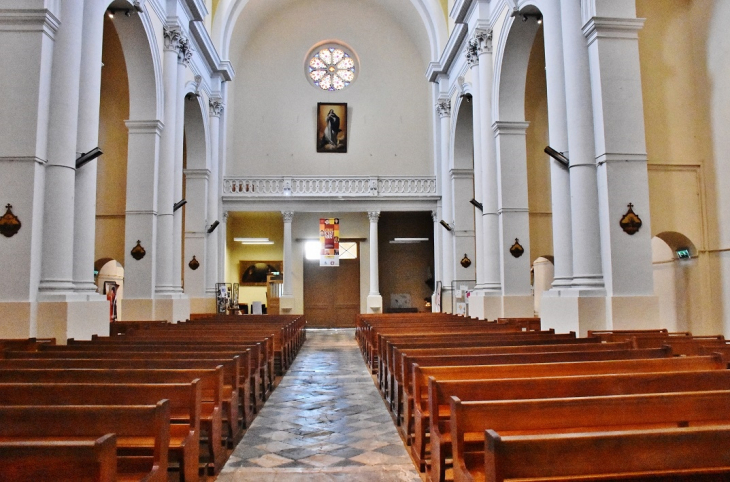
[(271, 107)]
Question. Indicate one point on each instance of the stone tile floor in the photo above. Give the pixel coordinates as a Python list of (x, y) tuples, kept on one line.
[(325, 421)]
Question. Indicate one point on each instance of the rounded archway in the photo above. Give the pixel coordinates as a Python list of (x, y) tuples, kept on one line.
[(674, 258)]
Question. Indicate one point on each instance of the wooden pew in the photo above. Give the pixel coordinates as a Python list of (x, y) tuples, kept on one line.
[(62, 461), (236, 387), (185, 401), (585, 414), (140, 429), (678, 454), (441, 391), (211, 386), (416, 415)]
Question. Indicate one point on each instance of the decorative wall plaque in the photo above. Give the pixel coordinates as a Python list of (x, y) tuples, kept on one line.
[(138, 251), (516, 249), (630, 222), (9, 223), (465, 261), (194, 263)]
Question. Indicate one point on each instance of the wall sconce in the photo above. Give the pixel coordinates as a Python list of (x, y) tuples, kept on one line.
[(558, 156), (465, 261), (9, 223), (138, 251), (446, 225), (477, 204), (178, 205), (213, 226), (86, 157), (194, 263)]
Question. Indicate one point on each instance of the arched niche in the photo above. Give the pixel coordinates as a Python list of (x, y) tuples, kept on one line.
[(674, 259)]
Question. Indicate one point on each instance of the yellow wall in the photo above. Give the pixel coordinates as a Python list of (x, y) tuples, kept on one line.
[(538, 165), (112, 166)]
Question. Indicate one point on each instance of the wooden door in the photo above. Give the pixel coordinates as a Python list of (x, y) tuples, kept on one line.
[(331, 294)]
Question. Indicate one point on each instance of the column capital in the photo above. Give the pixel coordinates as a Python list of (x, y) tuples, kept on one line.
[(216, 106), (176, 41), (373, 216), (472, 52), (483, 38), (435, 216), (443, 108), (288, 216)]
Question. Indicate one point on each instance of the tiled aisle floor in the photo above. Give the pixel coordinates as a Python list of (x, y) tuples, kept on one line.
[(325, 421)]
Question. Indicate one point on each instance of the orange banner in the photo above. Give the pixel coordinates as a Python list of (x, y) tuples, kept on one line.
[(329, 239)]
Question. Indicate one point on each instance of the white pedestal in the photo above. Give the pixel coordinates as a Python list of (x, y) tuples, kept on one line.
[(172, 309), (77, 319), (286, 303), (202, 305), (375, 304), (485, 306), (633, 312), (573, 310)]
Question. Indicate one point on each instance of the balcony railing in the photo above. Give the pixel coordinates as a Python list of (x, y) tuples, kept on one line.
[(340, 186)]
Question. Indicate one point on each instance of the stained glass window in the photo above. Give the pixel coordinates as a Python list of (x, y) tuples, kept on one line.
[(331, 67)]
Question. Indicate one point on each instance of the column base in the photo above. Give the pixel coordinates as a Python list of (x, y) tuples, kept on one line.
[(77, 319), (286, 304), (20, 319), (573, 310), (375, 304), (202, 305), (173, 309), (633, 312), (485, 305), (447, 305)]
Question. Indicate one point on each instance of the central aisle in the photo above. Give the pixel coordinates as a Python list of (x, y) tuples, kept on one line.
[(325, 421)]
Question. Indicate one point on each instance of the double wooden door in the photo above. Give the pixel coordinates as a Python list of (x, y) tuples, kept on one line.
[(331, 294)]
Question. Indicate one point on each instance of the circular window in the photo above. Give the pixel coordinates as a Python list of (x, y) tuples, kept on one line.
[(331, 67)]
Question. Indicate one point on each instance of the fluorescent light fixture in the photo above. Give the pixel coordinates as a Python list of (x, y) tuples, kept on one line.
[(446, 225), (407, 240), (558, 156), (477, 204), (253, 240)]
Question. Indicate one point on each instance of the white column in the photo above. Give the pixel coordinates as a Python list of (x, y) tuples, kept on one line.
[(87, 139), (222, 248), (286, 302), (174, 42), (58, 216), (587, 272), (196, 193), (472, 59), (443, 108), (177, 217), (438, 250), (558, 135), (482, 45), (211, 256), (620, 152), (375, 301)]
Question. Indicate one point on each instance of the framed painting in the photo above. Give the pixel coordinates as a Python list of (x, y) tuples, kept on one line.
[(331, 127), (254, 273)]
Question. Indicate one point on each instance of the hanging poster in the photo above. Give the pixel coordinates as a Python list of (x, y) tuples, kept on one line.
[(329, 239)]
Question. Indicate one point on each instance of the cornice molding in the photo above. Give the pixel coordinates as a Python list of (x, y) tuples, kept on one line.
[(452, 49)]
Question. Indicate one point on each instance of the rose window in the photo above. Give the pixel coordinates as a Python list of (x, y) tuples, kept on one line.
[(331, 68)]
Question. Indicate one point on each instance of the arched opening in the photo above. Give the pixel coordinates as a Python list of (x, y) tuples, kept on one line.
[(674, 257), (462, 189), (543, 273), (109, 279)]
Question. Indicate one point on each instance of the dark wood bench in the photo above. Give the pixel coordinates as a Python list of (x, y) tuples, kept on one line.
[(441, 391), (184, 399), (59, 460), (142, 432)]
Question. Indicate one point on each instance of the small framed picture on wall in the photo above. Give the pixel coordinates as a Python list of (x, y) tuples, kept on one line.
[(331, 127)]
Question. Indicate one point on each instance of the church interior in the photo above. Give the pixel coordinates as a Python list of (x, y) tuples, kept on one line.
[(288, 187)]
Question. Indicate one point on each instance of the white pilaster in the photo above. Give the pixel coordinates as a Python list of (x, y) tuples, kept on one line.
[(443, 109), (438, 257), (375, 301), (514, 219), (286, 302), (196, 193), (177, 216), (141, 218), (174, 44), (216, 108), (620, 151)]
